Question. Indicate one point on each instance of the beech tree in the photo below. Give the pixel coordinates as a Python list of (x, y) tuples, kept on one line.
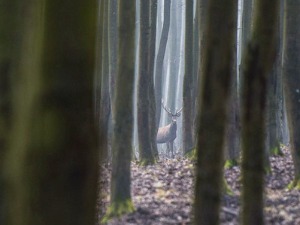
[(52, 162), (256, 65), (214, 95), (120, 201), (291, 80)]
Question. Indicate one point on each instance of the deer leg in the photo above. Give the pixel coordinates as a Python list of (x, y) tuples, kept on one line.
[(171, 147), (168, 149)]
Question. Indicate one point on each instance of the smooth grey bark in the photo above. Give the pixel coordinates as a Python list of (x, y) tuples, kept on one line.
[(275, 95), (123, 113), (188, 86), (247, 16), (143, 92), (152, 105), (160, 59), (215, 91), (112, 41), (105, 101), (232, 143), (202, 9), (291, 67), (174, 55)]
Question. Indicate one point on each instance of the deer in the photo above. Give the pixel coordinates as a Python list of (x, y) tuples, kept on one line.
[(167, 134)]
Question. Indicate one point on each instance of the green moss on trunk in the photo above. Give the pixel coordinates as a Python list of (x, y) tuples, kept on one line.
[(118, 209)]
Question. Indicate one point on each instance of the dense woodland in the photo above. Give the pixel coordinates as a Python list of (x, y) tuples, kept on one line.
[(149, 112)]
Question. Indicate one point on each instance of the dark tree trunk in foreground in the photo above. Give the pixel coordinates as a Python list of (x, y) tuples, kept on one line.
[(144, 80), (257, 65), (160, 59), (215, 91), (52, 162), (187, 115), (10, 33), (291, 78), (123, 114)]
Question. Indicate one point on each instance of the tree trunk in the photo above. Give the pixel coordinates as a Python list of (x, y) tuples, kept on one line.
[(232, 143), (187, 115), (160, 59), (10, 35), (144, 78), (105, 104), (247, 15), (257, 64), (152, 106), (215, 91), (291, 66), (123, 114), (52, 163)]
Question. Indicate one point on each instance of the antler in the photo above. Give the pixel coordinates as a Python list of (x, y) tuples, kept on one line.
[(168, 110), (165, 108), (178, 112)]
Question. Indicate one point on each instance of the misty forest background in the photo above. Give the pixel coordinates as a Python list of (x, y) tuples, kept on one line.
[(88, 88)]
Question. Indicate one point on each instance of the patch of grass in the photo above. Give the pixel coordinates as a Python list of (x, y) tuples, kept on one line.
[(294, 185), (230, 163), (276, 151), (191, 154), (147, 162), (226, 188)]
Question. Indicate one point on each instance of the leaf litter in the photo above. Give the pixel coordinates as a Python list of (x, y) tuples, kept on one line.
[(163, 194)]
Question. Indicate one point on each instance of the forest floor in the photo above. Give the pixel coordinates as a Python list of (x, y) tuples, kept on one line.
[(163, 194)]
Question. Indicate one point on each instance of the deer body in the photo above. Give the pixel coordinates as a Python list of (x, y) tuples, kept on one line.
[(167, 134)]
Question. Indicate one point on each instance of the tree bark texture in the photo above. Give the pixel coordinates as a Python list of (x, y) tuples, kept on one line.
[(52, 163), (291, 68), (10, 36), (123, 112), (215, 92), (144, 79), (188, 85), (160, 59), (257, 64), (152, 106)]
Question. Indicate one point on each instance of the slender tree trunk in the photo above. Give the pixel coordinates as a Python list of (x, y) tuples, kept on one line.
[(232, 143), (216, 80), (112, 41), (291, 66), (53, 161), (247, 15), (160, 59), (257, 64), (202, 9), (105, 102), (187, 116), (152, 106), (123, 114), (98, 72), (144, 78), (274, 101)]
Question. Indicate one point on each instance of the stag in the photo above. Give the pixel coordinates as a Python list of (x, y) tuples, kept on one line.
[(167, 134)]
